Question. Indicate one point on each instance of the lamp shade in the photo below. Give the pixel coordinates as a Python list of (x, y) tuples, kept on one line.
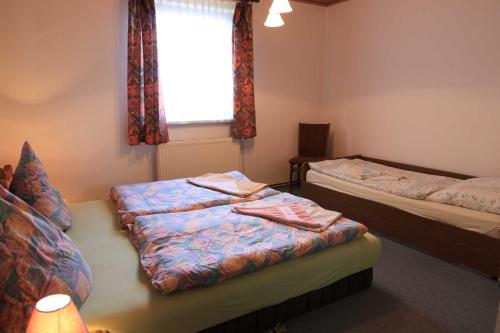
[(274, 20), (280, 6), (56, 313)]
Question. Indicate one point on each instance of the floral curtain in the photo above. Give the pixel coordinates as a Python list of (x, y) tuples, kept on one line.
[(146, 119), (244, 99)]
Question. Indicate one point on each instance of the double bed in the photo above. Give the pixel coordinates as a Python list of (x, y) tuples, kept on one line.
[(184, 255), (124, 300), (463, 236)]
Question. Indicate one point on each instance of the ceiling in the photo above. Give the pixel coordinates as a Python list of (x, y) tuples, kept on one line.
[(321, 2)]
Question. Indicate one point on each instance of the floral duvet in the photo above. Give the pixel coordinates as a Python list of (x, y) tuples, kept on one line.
[(409, 184), (173, 196), (207, 246)]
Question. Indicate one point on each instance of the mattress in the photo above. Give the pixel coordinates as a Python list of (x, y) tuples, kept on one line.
[(481, 222), (123, 300)]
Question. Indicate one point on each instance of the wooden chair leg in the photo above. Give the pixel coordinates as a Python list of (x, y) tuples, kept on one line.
[(291, 178), (299, 173)]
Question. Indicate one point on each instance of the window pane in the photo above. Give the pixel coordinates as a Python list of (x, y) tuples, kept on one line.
[(195, 59)]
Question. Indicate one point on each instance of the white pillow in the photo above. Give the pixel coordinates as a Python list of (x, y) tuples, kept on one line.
[(481, 194)]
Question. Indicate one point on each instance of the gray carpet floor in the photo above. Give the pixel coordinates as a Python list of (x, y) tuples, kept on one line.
[(411, 292)]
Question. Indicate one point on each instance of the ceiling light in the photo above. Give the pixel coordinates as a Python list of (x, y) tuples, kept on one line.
[(280, 6), (274, 20)]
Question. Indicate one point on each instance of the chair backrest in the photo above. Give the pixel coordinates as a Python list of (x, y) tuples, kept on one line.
[(313, 139)]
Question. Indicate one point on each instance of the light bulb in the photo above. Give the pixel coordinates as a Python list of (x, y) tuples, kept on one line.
[(280, 6), (55, 313), (274, 20)]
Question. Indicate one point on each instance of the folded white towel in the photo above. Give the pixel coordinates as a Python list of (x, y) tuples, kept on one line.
[(227, 184)]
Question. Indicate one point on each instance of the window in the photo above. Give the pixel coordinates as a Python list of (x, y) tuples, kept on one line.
[(195, 59)]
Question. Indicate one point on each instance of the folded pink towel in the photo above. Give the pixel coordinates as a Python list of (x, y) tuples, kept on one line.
[(297, 215)]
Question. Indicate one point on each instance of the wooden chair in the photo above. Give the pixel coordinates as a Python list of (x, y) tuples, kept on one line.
[(313, 141)]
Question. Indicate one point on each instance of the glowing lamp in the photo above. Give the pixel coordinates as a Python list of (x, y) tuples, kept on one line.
[(56, 314), (280, 6), (274, 20)]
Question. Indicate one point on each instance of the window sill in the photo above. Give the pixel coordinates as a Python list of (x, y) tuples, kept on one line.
[(199, 122)]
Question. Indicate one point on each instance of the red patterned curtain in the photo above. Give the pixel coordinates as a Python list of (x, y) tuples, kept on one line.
[(146, 120), (244, 99)]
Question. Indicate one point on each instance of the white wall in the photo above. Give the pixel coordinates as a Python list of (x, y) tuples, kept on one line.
[(63, 88), (416, 82), (288, 87), (410, 81)]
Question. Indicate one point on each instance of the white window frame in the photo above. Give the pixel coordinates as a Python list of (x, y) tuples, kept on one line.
[(201, 12)]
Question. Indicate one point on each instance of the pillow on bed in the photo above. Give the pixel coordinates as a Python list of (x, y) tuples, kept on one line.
[(31, 183), (6, 176), (481, 194), (36, 259)]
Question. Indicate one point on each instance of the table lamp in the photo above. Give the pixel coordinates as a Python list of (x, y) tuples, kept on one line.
[(56, 314)]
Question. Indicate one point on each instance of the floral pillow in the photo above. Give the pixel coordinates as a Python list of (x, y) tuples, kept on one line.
[(481, 194), (36, 260), (31, 183), (6, 176)]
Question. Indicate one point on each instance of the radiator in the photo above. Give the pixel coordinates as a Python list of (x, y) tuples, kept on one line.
[(179, 159)]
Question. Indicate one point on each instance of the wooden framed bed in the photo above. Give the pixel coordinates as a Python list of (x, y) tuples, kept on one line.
[(478, 251)]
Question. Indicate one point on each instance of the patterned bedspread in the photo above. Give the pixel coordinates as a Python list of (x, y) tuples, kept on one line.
[(409, 184), (172, 196), (204, 247)]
